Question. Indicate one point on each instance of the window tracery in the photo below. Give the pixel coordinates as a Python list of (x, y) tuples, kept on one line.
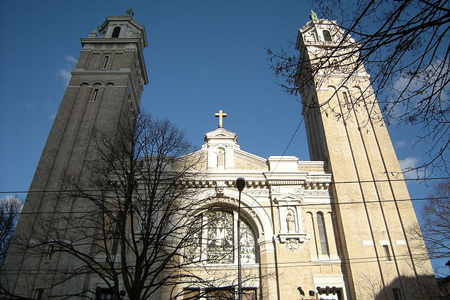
[(215, 239), (220, 237)]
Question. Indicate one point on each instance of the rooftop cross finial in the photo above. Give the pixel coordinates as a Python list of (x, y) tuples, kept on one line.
[(130, 12), (220, 115), (313, 15)]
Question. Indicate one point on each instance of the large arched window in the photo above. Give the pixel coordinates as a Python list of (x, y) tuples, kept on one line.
[(215, 240)]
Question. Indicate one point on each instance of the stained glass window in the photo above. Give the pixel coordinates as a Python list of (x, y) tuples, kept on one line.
[(220, 244), (193, 246), (216, 242), (247, 242)]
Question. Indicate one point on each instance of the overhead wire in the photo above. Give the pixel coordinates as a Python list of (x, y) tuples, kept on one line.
[(283, 264), (257, 206), (259, 185)]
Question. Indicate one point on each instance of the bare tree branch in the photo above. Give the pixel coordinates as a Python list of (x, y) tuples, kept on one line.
[(10, 208), (404, 46)]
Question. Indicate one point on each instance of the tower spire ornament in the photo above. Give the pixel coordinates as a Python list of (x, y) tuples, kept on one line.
[(130, 12), (220, 115)]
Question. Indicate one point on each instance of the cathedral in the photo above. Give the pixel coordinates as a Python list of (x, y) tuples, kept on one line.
[(335, 227)]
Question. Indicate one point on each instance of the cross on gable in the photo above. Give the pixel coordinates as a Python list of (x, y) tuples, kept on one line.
[(220, 115)]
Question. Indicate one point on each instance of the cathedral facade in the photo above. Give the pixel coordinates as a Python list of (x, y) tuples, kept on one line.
[(335, 227)]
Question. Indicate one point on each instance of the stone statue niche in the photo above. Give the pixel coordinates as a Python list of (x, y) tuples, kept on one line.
[(290, 221), (220, 158)]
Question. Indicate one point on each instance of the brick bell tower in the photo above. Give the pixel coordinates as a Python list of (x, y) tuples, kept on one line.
[(104, 90), (346, 130)]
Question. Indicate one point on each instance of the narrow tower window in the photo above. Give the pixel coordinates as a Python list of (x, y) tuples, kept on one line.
[(326, 36), (116, 32), (38, 294), (50, 251), (322, 234), (94, 95), (345, 96), (387, 252), (105, 61)]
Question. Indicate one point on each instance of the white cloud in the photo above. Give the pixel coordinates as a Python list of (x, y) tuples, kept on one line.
[(65, 75), (71, 59), (29, 105), (65, 72), (408, 164), (415, 89), (400, 143), (427, 77)]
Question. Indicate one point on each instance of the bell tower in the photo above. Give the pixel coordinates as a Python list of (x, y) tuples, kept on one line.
[(346, 130), (104, 91)]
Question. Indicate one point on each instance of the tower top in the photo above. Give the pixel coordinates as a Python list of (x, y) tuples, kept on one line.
[(120, 32), (322, 32), (123, 27)]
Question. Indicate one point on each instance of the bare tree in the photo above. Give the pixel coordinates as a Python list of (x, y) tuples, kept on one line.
[(404, 46), (124, 229), (10, 208), (131, 225), (436, 223)]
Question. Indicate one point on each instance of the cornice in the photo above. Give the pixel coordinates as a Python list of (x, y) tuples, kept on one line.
[(109, 41), (100, 72)]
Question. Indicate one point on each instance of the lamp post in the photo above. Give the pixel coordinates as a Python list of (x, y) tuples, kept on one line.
[(240, 184)]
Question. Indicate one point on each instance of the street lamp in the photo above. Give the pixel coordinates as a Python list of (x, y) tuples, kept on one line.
[(240, 184)]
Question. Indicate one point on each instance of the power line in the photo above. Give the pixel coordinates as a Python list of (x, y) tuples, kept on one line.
[(205, 187), (256, 206), (285, 264)]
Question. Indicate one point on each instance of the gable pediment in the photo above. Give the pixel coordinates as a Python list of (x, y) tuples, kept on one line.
[(220, 136)]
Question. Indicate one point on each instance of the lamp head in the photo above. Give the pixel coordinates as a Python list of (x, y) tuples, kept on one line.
[(240, 184)]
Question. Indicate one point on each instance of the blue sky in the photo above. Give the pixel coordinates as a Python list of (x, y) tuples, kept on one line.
[(202, 56)]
